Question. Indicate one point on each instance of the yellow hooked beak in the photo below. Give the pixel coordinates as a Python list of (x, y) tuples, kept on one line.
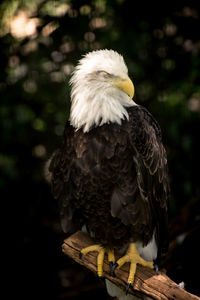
[(126, 86)]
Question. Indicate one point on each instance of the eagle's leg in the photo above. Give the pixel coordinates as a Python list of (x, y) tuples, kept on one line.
[(100, 257), (133, 257)]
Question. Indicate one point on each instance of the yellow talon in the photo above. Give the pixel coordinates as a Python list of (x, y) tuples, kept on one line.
[(132, 255), (100, 257), (111, 255)]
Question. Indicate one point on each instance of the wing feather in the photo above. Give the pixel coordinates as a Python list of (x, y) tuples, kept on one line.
[(145, 137)]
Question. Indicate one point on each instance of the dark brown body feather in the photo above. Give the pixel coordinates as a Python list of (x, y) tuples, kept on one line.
[(114, 180)]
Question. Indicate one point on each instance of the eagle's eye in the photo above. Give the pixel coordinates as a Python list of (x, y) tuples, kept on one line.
[(103, 74)]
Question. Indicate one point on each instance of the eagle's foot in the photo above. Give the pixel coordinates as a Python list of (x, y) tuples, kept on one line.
[(133, 257), (100, 257)]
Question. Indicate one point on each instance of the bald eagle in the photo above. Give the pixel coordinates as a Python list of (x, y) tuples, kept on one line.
[(110, 173)]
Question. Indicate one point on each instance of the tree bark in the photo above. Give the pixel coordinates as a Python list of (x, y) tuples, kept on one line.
[(149, 283)]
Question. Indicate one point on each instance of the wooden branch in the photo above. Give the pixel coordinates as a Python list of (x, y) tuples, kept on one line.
[(155, 285)]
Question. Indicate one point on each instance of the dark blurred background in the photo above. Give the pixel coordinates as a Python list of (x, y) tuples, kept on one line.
[(41, 41)]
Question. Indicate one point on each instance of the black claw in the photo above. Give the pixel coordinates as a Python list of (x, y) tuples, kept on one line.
[(114, 266), (101, 278), (111, 264), (129, 285), (112, 273), (81, 256)]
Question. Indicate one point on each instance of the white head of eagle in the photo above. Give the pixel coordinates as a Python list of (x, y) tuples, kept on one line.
[(101, 90)]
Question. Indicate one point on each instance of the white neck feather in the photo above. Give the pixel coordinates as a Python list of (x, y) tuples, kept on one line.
[(92, 107)]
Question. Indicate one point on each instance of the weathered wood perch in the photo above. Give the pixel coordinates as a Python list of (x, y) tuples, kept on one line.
[(155, 285)]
